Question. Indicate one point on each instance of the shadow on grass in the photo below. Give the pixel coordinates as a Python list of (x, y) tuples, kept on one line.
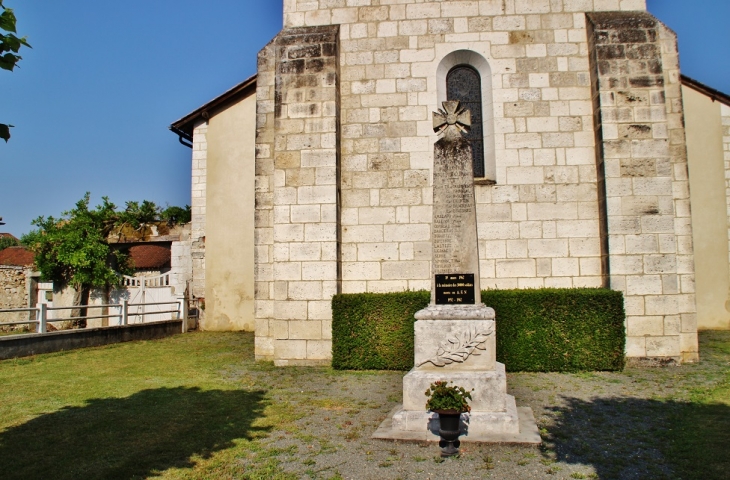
[(137, 436), (629, 438)]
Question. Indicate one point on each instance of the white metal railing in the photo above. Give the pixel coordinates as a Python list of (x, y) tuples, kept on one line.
[(42, 319), (157, 281)]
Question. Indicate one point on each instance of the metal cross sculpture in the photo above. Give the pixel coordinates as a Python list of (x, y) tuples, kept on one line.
[(451, 121)]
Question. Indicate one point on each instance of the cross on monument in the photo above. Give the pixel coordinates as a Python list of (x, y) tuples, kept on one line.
[(451, 121)]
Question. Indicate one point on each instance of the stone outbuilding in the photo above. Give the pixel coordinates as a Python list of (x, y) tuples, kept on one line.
[(315, 176), (17, 282)]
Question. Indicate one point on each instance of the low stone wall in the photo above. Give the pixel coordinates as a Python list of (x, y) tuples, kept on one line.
[(35, 344)]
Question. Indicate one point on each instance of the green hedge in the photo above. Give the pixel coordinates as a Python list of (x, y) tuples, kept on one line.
[(374, 331), (544, 330), (559, 330)]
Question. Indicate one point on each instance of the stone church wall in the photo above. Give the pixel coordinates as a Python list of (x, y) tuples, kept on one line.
[(297, 247), (229, 236), (645, 165), (198, 210), (707, 184), (540, 221)]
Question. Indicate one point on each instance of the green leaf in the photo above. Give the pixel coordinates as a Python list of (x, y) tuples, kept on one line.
[(8, 61), (5, 132), (11, 42), (8, 20)]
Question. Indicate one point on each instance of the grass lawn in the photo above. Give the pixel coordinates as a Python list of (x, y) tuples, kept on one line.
[(198, 406), (133, 410)]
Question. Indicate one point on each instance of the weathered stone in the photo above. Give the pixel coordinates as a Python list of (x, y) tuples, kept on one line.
[(454, 212), (448, 345), (488, 395)]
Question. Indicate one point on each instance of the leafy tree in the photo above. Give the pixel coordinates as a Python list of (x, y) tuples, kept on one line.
[(137, 214), (175, 215), (6, 242), (9, 46), (74, 249)]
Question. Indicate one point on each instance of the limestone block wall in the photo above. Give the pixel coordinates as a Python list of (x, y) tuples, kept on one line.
[(181, 263), (197, 206), (636, 73), (297, 161), (538, 226), (298, 13), (13, 292), (540, 221)]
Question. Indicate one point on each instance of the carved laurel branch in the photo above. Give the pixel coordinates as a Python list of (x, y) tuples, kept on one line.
[(457, 350)]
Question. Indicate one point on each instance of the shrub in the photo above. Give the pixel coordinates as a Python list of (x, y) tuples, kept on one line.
[(559, 330), (543, 330), (374, 331)]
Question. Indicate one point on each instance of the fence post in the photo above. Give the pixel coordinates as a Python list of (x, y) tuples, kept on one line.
[(42, 318), (184, 306), (125, 312)]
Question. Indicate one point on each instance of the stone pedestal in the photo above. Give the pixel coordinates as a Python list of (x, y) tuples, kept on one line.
[(458, 344), (488, 395), (474, 425)]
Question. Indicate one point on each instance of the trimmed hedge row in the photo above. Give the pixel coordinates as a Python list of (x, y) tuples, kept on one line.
[(374, 331), (543, 330)]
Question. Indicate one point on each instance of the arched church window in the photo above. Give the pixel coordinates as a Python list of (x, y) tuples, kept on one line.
[(463, 83)]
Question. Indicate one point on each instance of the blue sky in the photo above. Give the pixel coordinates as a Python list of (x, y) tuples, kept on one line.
[(93, 99)]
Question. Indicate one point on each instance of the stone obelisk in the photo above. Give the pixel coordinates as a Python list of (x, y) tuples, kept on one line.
[(455, 337)]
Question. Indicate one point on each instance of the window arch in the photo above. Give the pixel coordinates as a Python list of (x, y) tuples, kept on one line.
[(465, 75), (464, 84)]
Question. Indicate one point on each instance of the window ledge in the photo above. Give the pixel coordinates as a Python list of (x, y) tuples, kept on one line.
[(484, 181)]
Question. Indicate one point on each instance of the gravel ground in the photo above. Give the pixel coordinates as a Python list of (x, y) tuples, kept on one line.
[(593, 425)]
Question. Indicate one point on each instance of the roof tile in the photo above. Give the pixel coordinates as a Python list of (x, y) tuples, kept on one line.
[(16, 257), (150, 256)]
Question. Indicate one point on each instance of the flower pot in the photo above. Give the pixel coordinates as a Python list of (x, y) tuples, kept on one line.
[(449, 432)]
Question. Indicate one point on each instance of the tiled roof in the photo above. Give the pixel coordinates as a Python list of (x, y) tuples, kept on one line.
[(16, 257), (7, 235), (150, 256)]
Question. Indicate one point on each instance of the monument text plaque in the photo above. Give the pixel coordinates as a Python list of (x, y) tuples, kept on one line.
[(455, 289)]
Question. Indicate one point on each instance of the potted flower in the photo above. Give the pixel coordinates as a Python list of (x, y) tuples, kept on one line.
[(449, 402)]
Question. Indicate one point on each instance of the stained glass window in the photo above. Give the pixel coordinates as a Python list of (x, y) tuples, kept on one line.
[(463, 83)]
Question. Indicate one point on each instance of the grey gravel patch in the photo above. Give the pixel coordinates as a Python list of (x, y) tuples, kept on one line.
[(594, 425)]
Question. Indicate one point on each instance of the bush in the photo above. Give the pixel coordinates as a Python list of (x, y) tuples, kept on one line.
[(544, 330), (374, 331), (559, 330)]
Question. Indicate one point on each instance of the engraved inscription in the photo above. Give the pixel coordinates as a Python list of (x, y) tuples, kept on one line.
[(455, 289), (455, 208)]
